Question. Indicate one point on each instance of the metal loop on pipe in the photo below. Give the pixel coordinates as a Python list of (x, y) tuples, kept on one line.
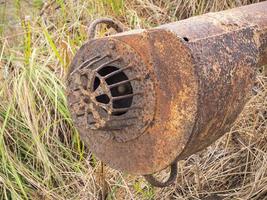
[(153, 181), (116, 25)]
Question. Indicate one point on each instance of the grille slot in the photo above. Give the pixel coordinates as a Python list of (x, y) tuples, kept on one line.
[(120, 88)]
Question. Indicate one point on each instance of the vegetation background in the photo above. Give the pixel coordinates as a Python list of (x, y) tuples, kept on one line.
[(41, 154)]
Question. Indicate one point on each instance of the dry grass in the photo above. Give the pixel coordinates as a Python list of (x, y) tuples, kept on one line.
[(40, 151)]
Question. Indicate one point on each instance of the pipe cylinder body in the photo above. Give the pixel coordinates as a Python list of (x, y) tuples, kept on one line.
[(143, 99)]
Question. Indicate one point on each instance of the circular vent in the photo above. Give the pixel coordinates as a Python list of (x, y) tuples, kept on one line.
[(110, 91)]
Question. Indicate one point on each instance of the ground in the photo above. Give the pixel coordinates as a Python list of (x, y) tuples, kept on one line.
[(41, 154)]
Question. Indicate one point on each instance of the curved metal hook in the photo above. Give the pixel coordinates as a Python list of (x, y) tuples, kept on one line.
[(153, 181), (116, 25)]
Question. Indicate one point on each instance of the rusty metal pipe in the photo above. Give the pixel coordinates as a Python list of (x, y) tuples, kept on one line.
[(214, 24), (144, 99)]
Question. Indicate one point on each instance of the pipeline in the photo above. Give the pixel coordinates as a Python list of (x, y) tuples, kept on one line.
[(144, 99)]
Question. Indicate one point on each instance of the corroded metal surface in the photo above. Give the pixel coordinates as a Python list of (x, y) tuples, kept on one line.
[(138, 148), (145, 98)]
